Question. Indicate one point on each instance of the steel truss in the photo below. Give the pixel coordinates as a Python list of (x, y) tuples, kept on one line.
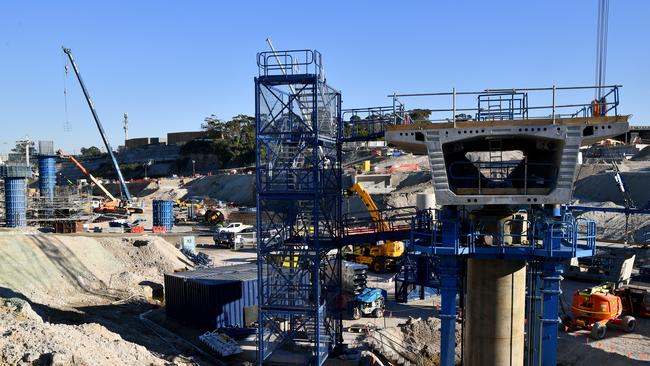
[(298, 138)]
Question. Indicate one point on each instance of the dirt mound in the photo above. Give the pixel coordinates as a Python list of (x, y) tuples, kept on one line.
[(238, 188), (77, 300), (27, 340), (611, 225), (416, 342), (643, 155), (60, 269), (602, 187)]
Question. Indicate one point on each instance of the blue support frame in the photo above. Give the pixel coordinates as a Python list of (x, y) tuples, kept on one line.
[(550, 238), (298, 181), (448, 273), (550, 295)]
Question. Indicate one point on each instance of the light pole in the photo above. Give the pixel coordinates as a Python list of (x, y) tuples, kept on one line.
[(145, 168), (193, 170)]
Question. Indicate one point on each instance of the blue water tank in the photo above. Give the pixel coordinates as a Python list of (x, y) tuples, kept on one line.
[(46, 175), (15, 202), (163, 214)]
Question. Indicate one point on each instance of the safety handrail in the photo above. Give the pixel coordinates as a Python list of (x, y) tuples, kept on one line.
[(525, 181), (393, 218), (289, 62), (557, 235), (523, 110)]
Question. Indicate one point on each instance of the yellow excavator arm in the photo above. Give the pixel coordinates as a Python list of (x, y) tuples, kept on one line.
[(370, 205)]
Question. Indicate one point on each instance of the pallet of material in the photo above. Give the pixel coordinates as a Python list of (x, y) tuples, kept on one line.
[(68, 227)]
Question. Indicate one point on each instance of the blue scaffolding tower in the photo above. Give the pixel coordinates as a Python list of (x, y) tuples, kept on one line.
[(298, 138)]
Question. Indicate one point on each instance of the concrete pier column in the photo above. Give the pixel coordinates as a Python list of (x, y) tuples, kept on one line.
[(495, 304)]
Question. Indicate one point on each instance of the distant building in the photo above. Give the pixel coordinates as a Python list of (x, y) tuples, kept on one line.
[(142, 141), (181, 138), (136, 142)]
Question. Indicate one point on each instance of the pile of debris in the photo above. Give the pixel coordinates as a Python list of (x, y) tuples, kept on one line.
[(200, 260), (28, 340), (416, 342)]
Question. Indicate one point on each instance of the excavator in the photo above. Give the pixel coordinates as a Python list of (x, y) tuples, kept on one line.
[(111, 205), (379, 258), (126, 204)]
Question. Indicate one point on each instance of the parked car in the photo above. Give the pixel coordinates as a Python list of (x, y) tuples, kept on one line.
[(233, 227), (246, 237)]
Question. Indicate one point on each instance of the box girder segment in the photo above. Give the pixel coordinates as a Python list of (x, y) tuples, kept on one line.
[(299, 214)]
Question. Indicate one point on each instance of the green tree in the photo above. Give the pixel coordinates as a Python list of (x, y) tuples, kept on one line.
[(234, 140), (419, 115), (90, 151)]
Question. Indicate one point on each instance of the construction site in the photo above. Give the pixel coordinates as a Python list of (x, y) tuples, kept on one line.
[(485, 226)]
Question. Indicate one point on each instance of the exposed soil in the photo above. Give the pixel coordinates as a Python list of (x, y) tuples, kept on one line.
[(77, 300)]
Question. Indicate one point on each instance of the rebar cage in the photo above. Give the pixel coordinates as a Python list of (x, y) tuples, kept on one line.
[(298, 138)]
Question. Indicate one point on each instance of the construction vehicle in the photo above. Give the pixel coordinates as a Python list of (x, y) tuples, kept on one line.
[(111, 205), (379, 257), (596, 308), (371, 301), (126, 201), (635, 300)]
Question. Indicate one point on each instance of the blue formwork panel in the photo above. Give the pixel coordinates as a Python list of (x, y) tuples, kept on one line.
[(46, 175), (163, 214), (15, 202)]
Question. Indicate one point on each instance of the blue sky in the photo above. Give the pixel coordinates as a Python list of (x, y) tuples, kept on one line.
[(170, 64)]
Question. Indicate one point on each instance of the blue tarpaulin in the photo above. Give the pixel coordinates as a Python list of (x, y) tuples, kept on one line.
[(371, 294)]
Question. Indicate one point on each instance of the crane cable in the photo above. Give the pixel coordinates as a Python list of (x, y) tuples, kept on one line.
[(601, 46), (66, 124)]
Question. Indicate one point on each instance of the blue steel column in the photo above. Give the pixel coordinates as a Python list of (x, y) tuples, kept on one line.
[(534, 322), (46, 175), (448, 273), (551, 277), (15, 206)]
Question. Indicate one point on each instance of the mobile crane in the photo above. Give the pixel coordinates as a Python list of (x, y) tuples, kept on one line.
[(111, 205), (378, 257), (126, 201)]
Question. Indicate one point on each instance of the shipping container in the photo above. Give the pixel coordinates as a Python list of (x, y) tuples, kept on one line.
[(212, 298)]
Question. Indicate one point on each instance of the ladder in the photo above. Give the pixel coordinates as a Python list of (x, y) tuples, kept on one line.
[(497, 171)]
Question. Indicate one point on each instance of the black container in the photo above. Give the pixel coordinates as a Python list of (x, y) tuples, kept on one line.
[(212, 298)]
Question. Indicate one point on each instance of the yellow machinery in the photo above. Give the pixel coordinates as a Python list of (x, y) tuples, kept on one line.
[(378, 257)]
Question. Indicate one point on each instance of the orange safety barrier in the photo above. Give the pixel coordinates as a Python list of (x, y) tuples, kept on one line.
[(159, 229), (137, 229)]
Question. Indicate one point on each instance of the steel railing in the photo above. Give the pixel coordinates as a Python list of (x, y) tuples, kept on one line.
[(551, 236), (481, 172), (516, 103), (290, 62)]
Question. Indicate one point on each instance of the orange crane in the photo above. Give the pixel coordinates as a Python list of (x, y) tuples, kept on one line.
[(112, 204)]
